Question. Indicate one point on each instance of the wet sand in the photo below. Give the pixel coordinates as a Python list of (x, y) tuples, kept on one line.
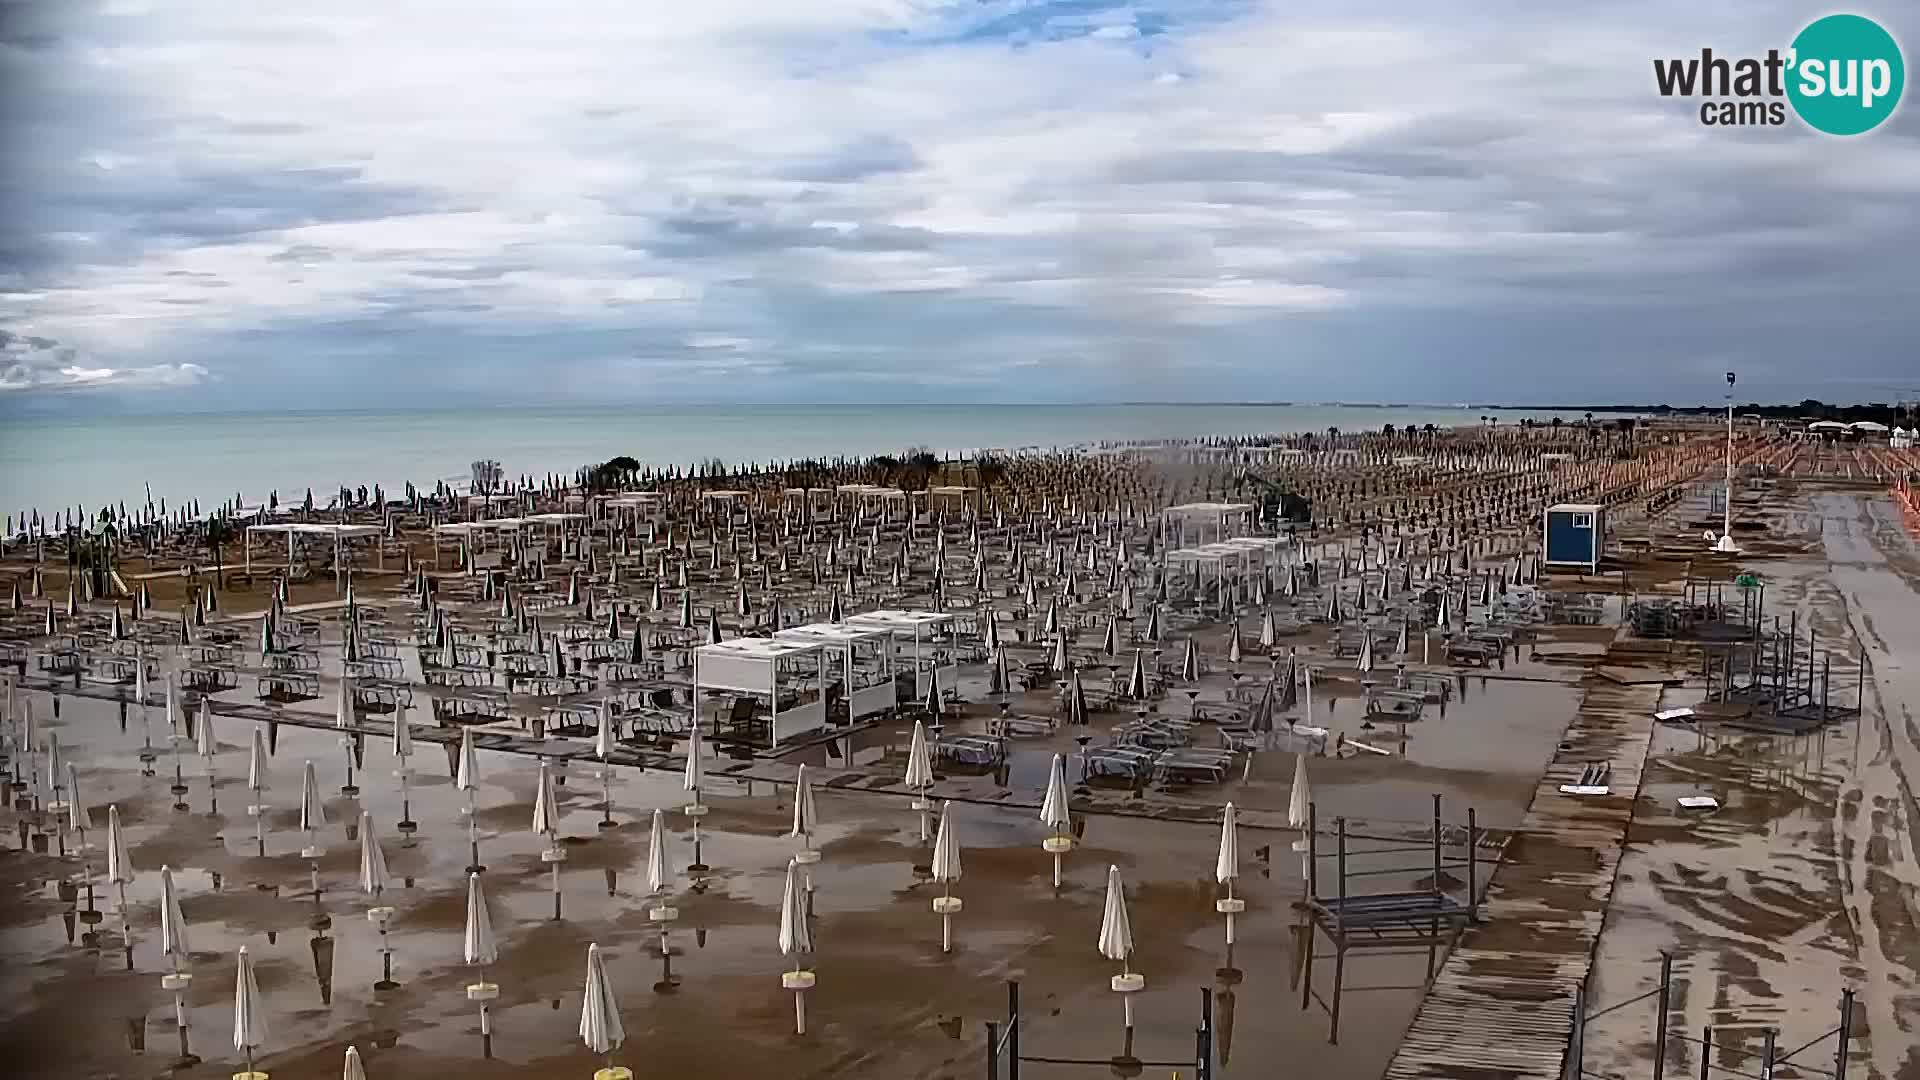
[(1803, 883)]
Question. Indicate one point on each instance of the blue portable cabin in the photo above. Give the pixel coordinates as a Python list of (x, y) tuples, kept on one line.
[(1574, 535)]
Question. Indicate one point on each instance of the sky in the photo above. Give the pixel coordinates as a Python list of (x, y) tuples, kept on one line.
[(229, 204)]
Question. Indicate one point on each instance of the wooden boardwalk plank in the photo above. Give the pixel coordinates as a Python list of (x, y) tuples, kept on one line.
[(1501, 1006)]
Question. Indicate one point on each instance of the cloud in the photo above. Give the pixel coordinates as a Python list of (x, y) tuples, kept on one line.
[(33, 363), (835, 199)]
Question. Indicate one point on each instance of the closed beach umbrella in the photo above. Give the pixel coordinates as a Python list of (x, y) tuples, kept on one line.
[(313, 815), (946, 871), (920, 773), (373, 861), (176, 716), (467, 775), (1190, 662), (119, 870), (1054, 814), (600, 1026), (353, 1070), (1116, 941), (603, 731), (796, 940), (249, 1017), (1226, 868), (173, 926), (546, 811), (402, 735), (804, 813), (1059, 659), (478, 946), (1137, 678), (203, 735), (1268, 636), (659, 867)]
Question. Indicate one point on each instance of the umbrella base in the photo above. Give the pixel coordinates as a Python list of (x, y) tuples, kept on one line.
[(554, 855), (312, 852), (663, 913), (482, 991), (1130, 983), (256, 1075), (946, 905), (1057, 845), (796, 980), (177, 982), (618, 1072), (1232, 906), (807, 857)]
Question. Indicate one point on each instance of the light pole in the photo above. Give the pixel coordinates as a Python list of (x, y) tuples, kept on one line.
[(1726, 546)]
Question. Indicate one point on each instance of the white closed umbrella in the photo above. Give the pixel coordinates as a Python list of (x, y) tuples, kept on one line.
[(373, 860), (249, 1016), (479, 947), (173, 926), (603, 747), (694, 776), (1300, 812), (173, 945), (1056, 816), (546, 822), (140, 695), (480, 950), (79, 815), (796, 940), (920, 774), (600, 1026), (402, 765), (467, 779), (119, 875), (946, 871), (1226, 869), (176, 734), (353, 1070), (257, 786), (805, 816), (1116, 942), (373, 882)]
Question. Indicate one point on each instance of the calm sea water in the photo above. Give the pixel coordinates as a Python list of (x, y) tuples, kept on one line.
[(51, 463)]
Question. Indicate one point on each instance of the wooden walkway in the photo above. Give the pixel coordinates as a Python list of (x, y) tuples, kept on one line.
[(1501, 1007)]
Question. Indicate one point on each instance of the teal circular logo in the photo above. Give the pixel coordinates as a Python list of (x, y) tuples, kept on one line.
[(1846, 74)]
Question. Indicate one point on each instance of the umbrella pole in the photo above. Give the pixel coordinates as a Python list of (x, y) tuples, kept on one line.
[(473, 836), (1056, 870), (606, 795), (1230, 912), (259, 829), (126, 927)]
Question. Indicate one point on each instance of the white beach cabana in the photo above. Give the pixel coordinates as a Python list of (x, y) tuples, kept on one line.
[(338, 533), (789, 675), (923, 637), (1198, 517), (859, 656)]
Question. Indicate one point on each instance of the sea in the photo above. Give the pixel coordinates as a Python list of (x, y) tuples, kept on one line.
[(50, 463)]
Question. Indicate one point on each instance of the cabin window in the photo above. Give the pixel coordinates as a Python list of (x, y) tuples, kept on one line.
[(1583, 521)]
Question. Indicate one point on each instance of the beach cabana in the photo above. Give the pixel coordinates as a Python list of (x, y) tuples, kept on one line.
[(338, 533), (1203, 517), (789, 675), (923, 636), (860, 657)]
